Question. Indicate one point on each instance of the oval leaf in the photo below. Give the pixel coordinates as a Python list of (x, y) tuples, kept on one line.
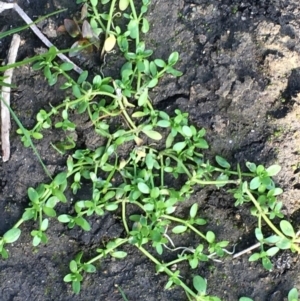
[(119, 254), (287, 228), (152, 134), (199, 284), (222, 162), (143, 188), (273, 170), (193, 210), (109, 43), (123, 4), (12, 235), (179, 229)]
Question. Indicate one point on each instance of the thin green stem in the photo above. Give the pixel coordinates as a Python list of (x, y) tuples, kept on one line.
[(19, 223), (135, 17), (162, 174), (119, 242), (178, 161), (166, 270), (110, 17), (98, 17), (124, 112), (25, 132), (266, 219), (184, 222)]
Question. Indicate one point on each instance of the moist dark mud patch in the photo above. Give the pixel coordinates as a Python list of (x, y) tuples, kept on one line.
[(233, 80)]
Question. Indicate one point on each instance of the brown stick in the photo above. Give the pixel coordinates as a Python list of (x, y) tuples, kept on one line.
[(5, 103)]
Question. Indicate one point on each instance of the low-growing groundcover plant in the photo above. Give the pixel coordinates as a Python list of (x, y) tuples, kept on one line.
[(163, 167)]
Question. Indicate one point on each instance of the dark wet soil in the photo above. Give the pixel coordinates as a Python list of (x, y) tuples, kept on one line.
[(241, 82)]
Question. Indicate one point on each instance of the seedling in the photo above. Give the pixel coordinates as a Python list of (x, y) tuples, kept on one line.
[(155, 176)]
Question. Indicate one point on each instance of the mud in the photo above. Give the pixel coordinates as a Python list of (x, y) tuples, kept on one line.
[(241, 82)]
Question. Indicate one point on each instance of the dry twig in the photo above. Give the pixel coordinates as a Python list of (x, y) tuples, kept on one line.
[(5, 103)]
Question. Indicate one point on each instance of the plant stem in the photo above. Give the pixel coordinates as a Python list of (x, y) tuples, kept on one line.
[(119, 242), (186, 223), (124, 216), (166, 270), (266, 219)]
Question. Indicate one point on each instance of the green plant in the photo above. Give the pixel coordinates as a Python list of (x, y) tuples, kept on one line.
[(165, 165)]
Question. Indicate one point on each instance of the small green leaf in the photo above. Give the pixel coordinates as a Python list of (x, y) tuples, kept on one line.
[(60, 178), (287, 228), (193, 262), (111, 207), (76, 287), (293, 295), (123, 4), (193, 210), (201, 143), (254, 257), (152, 134), (83, 223), (11, 235), (64, 218), (251, 166), (245, 299), (145, 25), (33, 195), (94, 2), (82, 77), (179, 146), (255, 183), (133, 28), (37, 135), (163, 123), (149, 161), (152, 83), (272, 239), (73, 266), (272, 251), (200, 284), (36, 241), (186, 130), (267, 264), (68, 278), (155, 192), (273, 170), (119, 254), (89, 268), (66, 66), (284, 243), (210, 236), (143, 98), (76, 91), (143, 188), (44, 224), (173, 58), (159, 63), (49, 211), (259, 234), (179, 229), (222, 162)]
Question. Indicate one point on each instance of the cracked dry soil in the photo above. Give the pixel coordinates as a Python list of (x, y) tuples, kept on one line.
[(241, 82)]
